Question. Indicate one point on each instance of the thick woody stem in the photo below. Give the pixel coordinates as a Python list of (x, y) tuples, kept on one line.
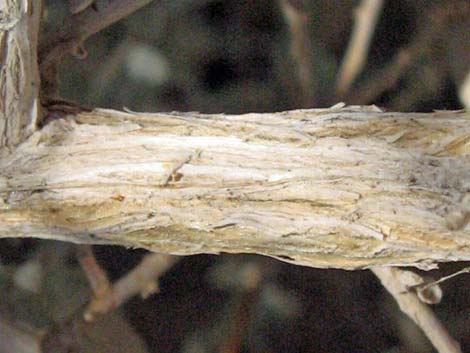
[(19, 75), (345, 187)]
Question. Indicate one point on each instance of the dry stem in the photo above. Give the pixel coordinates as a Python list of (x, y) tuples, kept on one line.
[(382, 80), (78, 27), (419, 312), (142, 279), (97, 277), (301, 51), (346, 188), (443, 279), (366, 18), (19, 75)]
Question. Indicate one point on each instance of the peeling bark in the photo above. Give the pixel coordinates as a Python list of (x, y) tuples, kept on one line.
[(19, 76), (343, 187)]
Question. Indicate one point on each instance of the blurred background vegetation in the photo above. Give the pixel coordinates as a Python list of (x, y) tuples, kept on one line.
[(229, 56)]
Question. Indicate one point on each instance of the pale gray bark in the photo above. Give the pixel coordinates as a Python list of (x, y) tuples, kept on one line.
[(342, 187), (19, 77)]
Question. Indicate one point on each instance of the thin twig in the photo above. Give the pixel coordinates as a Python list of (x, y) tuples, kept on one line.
[(301, 51), (366, 18), (383, 80), (464, 92), (419, 312), (141, 280), (75, 6), (443, 279), (96, 276), (80, 26), (429, 46)]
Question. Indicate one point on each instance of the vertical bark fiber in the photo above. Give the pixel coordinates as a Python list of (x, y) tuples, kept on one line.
[(19, 78)]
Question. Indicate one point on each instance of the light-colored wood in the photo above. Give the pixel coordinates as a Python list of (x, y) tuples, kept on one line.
[(409, 302), (342, 187), (19, 76)]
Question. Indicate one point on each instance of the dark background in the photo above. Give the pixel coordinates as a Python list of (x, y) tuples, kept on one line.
[(233, 57)]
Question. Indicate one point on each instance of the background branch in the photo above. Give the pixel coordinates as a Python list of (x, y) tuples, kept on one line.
[(77, 28), (97, 277), (419, 312), (366, 17), (143, 280), (301, 51)]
